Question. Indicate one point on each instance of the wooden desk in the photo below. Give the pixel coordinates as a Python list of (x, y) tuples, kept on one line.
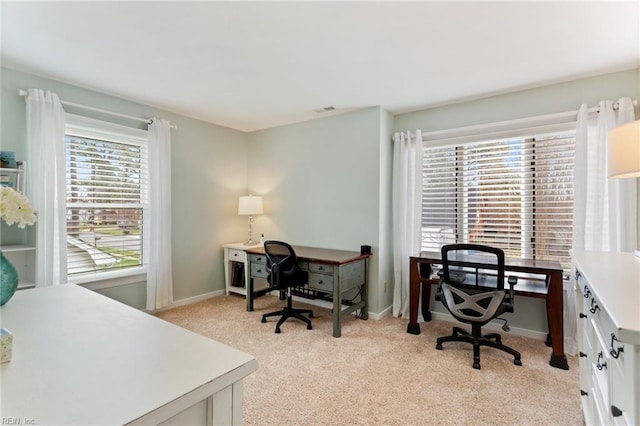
[(80, 358), (550, 289), (330, 271)]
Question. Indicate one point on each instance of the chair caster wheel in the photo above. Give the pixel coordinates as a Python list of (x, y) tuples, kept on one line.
[(517, 362), (309, 327), (476, 365), (264, 320), (439, 346), (278, 330)]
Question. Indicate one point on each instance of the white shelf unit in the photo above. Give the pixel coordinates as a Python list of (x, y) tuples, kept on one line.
[(22, 253), (235, 253)]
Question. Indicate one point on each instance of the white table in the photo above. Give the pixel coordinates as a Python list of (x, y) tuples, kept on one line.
[(81, 358)]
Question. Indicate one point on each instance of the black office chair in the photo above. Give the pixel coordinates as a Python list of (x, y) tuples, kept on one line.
[(283, 275), (472, 288)]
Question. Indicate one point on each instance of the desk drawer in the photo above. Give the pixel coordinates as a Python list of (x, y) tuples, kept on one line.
[(259, 270), (258, 258), (320, 282), (237, 255), (321, 268)]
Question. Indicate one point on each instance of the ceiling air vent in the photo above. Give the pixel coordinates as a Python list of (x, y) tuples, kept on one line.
[(325, 109)]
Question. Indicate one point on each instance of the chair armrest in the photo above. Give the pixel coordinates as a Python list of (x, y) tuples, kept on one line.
[(512, 280)]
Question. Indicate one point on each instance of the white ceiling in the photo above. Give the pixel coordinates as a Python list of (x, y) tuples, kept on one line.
[(254, 65)]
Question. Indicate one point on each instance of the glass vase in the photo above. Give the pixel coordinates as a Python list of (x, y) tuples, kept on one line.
[(8, 279)]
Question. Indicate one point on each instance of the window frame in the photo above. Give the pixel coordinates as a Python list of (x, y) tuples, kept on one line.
[(91, 128), (523, 129)]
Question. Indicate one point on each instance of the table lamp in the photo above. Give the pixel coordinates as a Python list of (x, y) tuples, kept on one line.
[(250, 205), (623, 156)]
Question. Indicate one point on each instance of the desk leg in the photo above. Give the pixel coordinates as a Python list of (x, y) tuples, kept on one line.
[(414, 295), (364, 295), (250, 295), (556, 323), (337, 307)]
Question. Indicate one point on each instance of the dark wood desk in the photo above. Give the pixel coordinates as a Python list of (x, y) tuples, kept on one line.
[(549, 289), (330, 271)]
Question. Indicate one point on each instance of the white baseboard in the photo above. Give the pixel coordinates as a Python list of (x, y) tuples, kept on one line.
[(494, 326), (190, 300)]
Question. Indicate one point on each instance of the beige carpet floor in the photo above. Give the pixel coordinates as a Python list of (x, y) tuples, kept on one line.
[(377, 374)]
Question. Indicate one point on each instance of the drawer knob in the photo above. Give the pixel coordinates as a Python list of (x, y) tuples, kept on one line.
[(615, 411), (583, 355), (582, 315), (594, 306), (583, 393), (615, 352), (600, 365), (320, 282)]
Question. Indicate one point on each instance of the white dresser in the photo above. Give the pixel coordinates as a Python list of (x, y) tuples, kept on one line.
[(235, 254), (608, 307), (80, 358)]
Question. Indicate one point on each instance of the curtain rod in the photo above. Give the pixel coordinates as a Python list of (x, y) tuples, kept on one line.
[(103, 111), (437, 134)]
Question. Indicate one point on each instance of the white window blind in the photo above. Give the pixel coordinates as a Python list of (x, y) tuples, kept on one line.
[(515, 193), (106, 180)]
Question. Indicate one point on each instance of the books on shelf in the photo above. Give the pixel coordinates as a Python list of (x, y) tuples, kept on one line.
[(8, 160), (6, 181)]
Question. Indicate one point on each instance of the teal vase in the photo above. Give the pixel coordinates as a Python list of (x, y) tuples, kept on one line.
[(8, 279)]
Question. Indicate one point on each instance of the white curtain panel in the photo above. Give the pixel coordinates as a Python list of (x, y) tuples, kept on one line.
[(159, 275), (407, 214), (604, 210), (45, 183)]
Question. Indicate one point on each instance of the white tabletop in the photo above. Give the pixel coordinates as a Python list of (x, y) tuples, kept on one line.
[(81, 358), (614, 278)]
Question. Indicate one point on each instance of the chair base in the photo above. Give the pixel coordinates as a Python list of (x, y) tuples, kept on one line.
[(289, 312), (477, 339)]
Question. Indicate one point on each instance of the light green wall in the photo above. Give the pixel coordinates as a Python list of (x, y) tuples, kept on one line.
[(526, 103), (209, 172), (385, 259), (321, 184)]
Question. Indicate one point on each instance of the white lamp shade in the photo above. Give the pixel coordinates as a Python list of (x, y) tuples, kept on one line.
[(623, 159), (250, 205)]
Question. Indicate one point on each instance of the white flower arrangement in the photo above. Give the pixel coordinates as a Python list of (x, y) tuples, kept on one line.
[(16, 208)]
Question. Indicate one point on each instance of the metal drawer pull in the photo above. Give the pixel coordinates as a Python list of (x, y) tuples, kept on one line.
[(615, 353), (583, 355), (578, 275), (583, 393), (320, 282), (582, 315), (615, 411), (593, 308), (587, 292), (603, 365)]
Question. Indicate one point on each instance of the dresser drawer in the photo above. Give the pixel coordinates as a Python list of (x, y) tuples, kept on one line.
[(258, 258), (321, 268), (320, 282), (237, 255), (259, 270)]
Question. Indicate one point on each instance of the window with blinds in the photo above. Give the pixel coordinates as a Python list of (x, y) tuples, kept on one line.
[(106, 187), (516, 194)]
